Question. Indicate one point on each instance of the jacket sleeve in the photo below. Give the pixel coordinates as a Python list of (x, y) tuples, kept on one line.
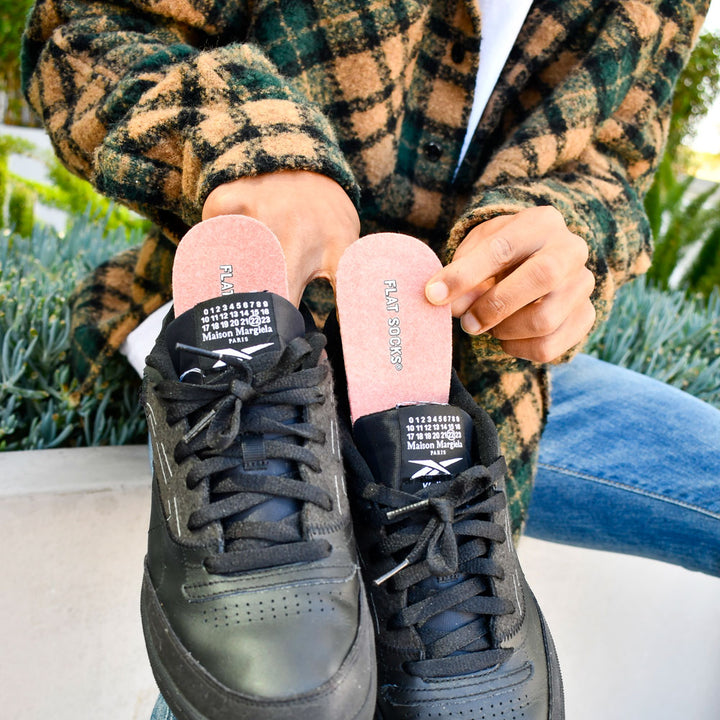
[(157, 103), (591, 148)]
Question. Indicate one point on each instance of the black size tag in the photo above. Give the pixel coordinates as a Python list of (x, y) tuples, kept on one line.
[(435, 443), (243, 324)]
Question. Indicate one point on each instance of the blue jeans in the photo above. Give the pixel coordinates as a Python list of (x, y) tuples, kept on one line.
[(627, 464)]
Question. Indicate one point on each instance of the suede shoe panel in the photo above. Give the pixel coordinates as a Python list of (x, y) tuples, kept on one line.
[(177, 500)]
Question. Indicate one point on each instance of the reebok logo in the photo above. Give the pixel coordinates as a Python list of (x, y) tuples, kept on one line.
[(244, 354), (432, 467)]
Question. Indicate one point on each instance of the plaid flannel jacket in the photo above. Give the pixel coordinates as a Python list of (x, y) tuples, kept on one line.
[(159, 101)]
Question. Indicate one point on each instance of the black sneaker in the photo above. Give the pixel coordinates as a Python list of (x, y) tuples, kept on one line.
[(252, 602), (459, 632)]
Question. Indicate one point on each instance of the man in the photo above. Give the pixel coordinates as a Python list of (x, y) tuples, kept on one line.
[(330, 121)]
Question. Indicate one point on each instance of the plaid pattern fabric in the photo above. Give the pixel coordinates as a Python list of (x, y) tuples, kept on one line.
[(515, 394), (160, 101)]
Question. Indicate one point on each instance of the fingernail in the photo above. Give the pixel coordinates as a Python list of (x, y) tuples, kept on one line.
[(437, 292), (470, 324)]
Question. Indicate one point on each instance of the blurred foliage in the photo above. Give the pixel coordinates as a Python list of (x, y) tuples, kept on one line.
[(696, 89), (12, 24), (682, 219), (63, 191), (18, 205)]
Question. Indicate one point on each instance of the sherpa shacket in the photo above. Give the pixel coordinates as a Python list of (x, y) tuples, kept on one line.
[(157, 102)]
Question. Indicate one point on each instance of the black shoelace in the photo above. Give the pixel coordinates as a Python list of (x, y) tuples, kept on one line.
[(445, 532), (242, 417)]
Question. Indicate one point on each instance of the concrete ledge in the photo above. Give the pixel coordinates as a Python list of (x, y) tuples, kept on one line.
[(637, 639), (71, 470)]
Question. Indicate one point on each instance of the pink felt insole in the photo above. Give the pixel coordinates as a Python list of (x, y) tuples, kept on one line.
[(224, 255), (397, 346)]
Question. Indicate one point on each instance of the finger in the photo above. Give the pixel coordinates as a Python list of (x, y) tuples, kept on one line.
[(538, 276), (484, 231), (550, 347), (483, 258), (498, 245), (462, 304), (544, 316)]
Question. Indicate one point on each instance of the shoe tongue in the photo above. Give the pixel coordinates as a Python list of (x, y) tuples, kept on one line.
[(412, 446), (409, 448), (243, 324)]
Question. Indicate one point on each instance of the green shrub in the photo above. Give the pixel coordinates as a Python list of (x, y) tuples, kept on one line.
[(666, 335), (12, 24), (679, 219), (11, 146), (39, 406), (695, 91), (39, 268), (21, 210)]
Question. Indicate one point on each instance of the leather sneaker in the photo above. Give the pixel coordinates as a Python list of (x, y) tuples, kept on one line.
[(252, 601), (459, 632)]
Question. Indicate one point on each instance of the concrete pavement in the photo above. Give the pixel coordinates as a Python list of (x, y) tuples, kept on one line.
[(637, 639)]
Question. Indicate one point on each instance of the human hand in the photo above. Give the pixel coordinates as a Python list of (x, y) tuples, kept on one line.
[(312, 216), (523, 279)]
